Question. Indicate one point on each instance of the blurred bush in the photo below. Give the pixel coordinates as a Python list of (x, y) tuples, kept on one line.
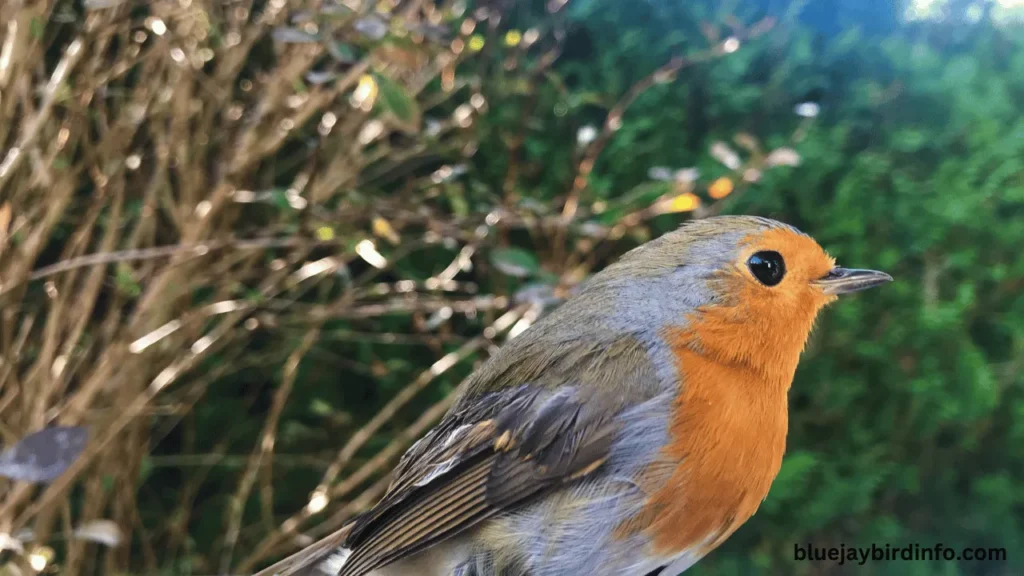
[(255, 246), (906, 408)]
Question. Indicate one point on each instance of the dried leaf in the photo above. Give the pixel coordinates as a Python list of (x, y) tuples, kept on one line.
[(720, 188), (747, 142), (383, 229), (407, 57), (103, 531), (783, 157), (5, 222), (723, 153), (44, 455)]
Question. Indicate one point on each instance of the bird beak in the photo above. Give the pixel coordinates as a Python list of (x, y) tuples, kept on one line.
[(845, 280)]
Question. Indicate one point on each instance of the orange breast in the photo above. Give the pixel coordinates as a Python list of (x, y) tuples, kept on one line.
[(728, 437)]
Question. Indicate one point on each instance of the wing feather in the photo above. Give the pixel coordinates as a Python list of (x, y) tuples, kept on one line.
[(534, 418), (435, 516), (530, 447)]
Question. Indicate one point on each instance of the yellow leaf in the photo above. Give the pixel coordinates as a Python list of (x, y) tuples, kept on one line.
[(476, 43), (365, 93), (683, 203), (325, 233), (720, 188), (383, 229), (513, 38)]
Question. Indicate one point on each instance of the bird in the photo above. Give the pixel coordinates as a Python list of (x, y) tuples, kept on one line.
[(631, 431)]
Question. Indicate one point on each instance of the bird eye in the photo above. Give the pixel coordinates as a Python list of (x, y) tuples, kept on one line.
[(768, 267)]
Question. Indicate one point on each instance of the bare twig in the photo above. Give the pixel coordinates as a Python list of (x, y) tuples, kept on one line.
[(265, 449)]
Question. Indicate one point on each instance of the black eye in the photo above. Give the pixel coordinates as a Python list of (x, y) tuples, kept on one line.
[(768, 267)]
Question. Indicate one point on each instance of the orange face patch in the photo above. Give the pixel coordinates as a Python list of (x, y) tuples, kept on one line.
[(765, 328)]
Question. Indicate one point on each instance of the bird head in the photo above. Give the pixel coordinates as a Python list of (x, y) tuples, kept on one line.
[(743, 289)]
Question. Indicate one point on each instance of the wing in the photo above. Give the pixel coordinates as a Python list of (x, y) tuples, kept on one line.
[(477, 467), (536, 417)]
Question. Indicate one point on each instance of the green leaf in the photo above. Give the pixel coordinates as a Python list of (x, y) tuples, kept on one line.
[(909, 140), (397, 101), (515, 262), (145, 468), (36, 28), (320, 407), (126, 282), (341, 52)]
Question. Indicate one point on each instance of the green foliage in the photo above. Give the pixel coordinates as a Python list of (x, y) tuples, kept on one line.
[(397, 101), (514, 261), (905, 409)]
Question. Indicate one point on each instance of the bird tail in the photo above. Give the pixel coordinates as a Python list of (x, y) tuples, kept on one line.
[(324, 558), (328, 566)]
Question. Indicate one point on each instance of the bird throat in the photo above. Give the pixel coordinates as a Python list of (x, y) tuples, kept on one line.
[(727, 439)]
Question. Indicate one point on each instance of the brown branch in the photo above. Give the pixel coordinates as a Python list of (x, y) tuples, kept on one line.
[(265, 449), (357, 440)]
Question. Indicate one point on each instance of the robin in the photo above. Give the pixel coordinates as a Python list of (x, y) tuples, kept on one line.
[(630, 432)]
